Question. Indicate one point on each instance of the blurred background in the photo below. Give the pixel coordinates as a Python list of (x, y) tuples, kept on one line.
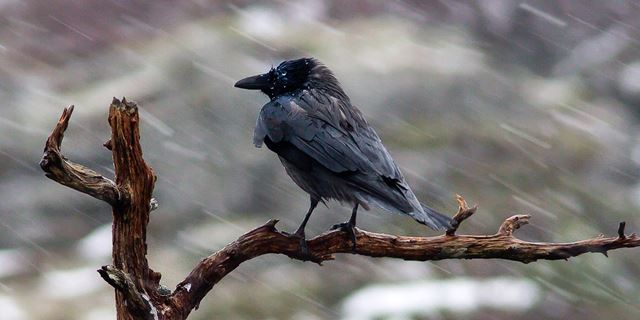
[(520, 106)]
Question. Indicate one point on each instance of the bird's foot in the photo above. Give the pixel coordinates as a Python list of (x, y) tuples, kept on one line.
[(350, 229), (304, 248)]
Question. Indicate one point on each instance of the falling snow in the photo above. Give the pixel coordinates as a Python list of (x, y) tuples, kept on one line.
[(523, 107)]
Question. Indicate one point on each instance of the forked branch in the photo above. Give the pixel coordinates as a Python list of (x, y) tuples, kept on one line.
[(138, 293), (139, 303), (58, 168), (267, 239)]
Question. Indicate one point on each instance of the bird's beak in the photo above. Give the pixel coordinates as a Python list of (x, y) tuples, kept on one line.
[(258, 82)]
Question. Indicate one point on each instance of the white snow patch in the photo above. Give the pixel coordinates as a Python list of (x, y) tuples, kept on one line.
[(67, 284), (629, 79), (462, 295), (97, 244), (107, 313), (12, 262), (260, 22), (10, 309)]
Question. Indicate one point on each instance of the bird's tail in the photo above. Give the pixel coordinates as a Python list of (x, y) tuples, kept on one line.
[(434, 219), (400, 200)]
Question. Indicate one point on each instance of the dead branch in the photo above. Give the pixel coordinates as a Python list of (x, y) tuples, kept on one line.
[(130, 198), (139, 303), (130, 220), (138, 293), (267, 239), (59, 169), (463, 213)]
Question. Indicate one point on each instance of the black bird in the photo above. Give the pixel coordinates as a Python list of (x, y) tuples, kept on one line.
[(327, 146)]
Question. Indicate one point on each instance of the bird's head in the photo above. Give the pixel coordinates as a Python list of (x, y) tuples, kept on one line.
[(289, 76)]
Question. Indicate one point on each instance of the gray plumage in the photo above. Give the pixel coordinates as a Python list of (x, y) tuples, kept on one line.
[(327, 146)]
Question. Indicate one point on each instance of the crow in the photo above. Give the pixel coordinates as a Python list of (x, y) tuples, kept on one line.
[(328, 148)]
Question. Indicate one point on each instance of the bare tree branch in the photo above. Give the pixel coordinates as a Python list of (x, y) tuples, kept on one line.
[(512, 224), (463, 213), (138, 303), (130, 220), (58, 168), (267, 239), (138, 293)]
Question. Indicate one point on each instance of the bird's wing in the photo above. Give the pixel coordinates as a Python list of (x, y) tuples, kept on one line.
[(330, 131), (284, 120), (353, 129)]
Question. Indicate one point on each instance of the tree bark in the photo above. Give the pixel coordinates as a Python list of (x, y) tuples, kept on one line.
[(135, 179), (138, 293)]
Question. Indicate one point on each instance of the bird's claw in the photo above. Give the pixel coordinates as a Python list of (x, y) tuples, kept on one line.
[(350, 229), (304, 248)]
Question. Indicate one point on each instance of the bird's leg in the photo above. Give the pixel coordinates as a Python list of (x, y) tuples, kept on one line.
[(300, 232), (349, 227)]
